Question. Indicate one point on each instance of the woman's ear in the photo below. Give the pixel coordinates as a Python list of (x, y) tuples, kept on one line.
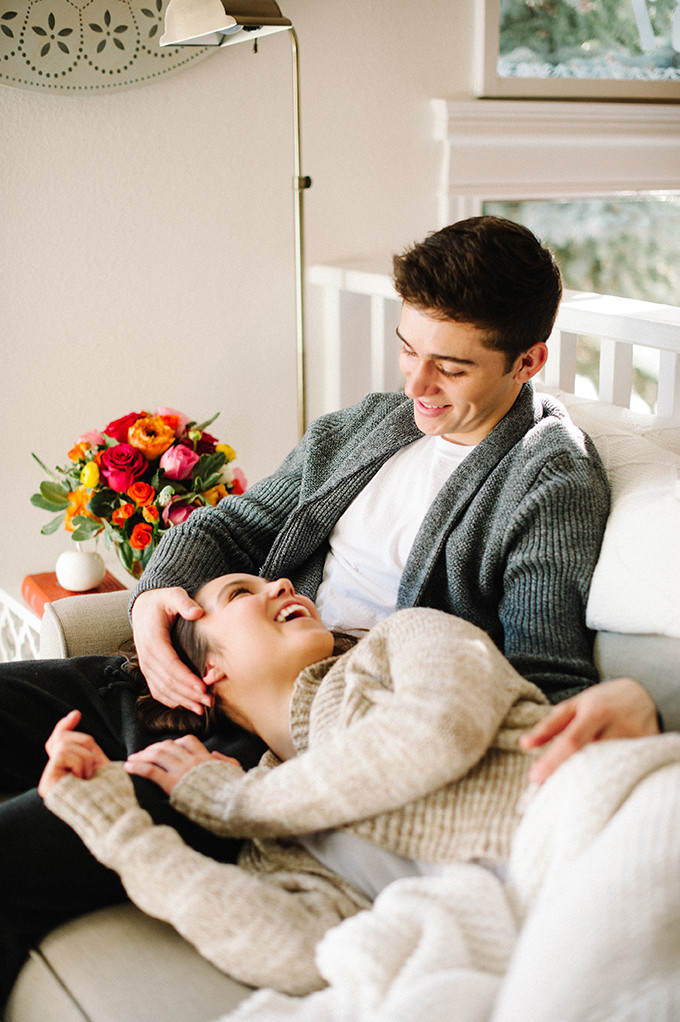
[(213, 674)]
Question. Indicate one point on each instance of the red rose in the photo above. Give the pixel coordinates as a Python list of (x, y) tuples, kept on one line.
[(118, 429), (121, 465), (207, 444), (141, 536)]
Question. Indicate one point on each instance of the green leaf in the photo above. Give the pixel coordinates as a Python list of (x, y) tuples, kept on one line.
[(48, 471), (203, 425), (85, 528), (52, 526), (51, 498), (103, 502), (209, 463), (46, 505), (212, 480)]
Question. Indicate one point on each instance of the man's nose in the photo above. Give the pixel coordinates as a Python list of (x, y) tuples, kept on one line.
[(419, 378)]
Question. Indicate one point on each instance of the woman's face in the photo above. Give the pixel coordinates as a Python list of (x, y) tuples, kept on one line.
[(260, 630)]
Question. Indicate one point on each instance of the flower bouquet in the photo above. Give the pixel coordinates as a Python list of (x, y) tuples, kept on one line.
[(137, 478)]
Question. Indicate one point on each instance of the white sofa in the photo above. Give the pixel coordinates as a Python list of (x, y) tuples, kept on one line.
[(116, 965)]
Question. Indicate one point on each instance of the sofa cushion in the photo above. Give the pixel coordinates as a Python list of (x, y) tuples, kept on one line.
[(115, 964)]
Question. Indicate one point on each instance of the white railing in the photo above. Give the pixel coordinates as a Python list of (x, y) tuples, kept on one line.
[(358, 311)]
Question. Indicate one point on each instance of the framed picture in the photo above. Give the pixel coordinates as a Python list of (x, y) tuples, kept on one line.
[(579, 49)]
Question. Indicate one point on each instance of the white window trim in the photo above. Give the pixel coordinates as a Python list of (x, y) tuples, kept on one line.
[(524, 149)]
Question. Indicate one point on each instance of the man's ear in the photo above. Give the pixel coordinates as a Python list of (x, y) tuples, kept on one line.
[(212, 674), (531, 362)]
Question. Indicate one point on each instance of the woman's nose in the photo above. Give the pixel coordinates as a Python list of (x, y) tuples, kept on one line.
[(281, 587)]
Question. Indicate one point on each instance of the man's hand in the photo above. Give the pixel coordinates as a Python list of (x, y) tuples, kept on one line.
[(165, 763), (70, 752), (169, 680), (620, 708)]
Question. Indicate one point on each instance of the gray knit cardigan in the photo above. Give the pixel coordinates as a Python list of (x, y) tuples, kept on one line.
[(509, 543)]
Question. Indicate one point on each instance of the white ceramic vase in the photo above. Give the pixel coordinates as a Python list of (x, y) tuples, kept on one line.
[(80, 570)]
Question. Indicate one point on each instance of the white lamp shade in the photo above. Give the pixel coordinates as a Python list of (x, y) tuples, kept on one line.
[(208, 23)]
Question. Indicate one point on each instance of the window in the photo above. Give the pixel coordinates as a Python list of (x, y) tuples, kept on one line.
[(625, 245), (623, 49)]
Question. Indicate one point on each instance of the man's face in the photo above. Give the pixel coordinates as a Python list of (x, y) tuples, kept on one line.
[(459, 387)]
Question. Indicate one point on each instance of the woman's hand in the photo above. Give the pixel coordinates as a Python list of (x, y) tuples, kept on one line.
[(166, 763), (71, 752), (169, 680), (621, 708)]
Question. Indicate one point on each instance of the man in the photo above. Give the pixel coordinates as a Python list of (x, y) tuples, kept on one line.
[(484, 294), (466, 494)]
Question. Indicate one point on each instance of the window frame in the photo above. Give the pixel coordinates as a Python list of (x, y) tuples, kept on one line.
[(490, 84)]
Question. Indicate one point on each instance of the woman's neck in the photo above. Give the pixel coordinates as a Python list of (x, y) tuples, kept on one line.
[(271, 721)]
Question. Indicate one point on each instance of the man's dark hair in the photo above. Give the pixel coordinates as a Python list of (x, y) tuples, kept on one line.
[(487, 271)]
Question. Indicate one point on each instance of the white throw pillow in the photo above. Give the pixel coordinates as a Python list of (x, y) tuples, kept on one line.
[(636, 585)]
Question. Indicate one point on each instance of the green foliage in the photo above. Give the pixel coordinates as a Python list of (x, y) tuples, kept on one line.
[(555, 30)]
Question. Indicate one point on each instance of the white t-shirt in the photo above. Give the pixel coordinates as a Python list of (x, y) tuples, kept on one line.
[(371, 541)]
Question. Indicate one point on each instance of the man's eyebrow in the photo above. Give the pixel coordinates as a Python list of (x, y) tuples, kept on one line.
[(440, 358)]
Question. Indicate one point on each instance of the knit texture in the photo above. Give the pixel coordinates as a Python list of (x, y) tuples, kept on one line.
[(392, 738), (409, 740), (510, 542)]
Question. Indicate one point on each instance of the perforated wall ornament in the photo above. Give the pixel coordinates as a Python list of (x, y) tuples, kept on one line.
[(86, 46)]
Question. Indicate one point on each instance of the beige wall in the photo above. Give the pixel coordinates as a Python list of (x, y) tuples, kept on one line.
[(146, 245)]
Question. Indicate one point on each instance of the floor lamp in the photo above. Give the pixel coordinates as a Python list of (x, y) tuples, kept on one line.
[(224, 23)]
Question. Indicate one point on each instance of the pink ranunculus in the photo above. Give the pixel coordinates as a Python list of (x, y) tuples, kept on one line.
[(94, 438), (121, 465), (178, 461), (234, 478), (118, 429), (239, 481), (182, 419), (177, 511)]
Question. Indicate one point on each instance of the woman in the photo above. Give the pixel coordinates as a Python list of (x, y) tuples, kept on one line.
[(396, 757)]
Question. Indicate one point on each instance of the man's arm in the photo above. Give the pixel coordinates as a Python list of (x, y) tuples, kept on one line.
[(620, 708), (234, 536), (552, 544)]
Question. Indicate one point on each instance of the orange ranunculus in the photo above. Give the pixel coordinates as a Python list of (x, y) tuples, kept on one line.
[(122, 513), (174, 422), (78, 501), (150, 513), (78, 452), (151, 435), (141, 493), (141, 536), (214, 494)]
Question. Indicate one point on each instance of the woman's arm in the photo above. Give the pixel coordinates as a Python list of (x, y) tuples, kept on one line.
[(221, 909), (424, 695)]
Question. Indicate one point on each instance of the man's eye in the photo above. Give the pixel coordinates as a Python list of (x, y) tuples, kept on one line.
[(446, 372)]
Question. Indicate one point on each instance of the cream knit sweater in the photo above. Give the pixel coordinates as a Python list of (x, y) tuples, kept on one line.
[(409, 740)]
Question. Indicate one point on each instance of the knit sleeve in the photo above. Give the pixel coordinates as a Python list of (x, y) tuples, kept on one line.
[(219, 908), (236, 535), (552, 542), (421, 700)]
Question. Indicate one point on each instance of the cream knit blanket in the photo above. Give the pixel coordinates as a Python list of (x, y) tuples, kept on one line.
[(586, 929)]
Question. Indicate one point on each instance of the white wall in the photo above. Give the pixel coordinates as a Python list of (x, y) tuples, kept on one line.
[(146, 243)]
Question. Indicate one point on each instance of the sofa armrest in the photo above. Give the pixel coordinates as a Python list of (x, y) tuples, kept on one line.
[(97, 623)]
